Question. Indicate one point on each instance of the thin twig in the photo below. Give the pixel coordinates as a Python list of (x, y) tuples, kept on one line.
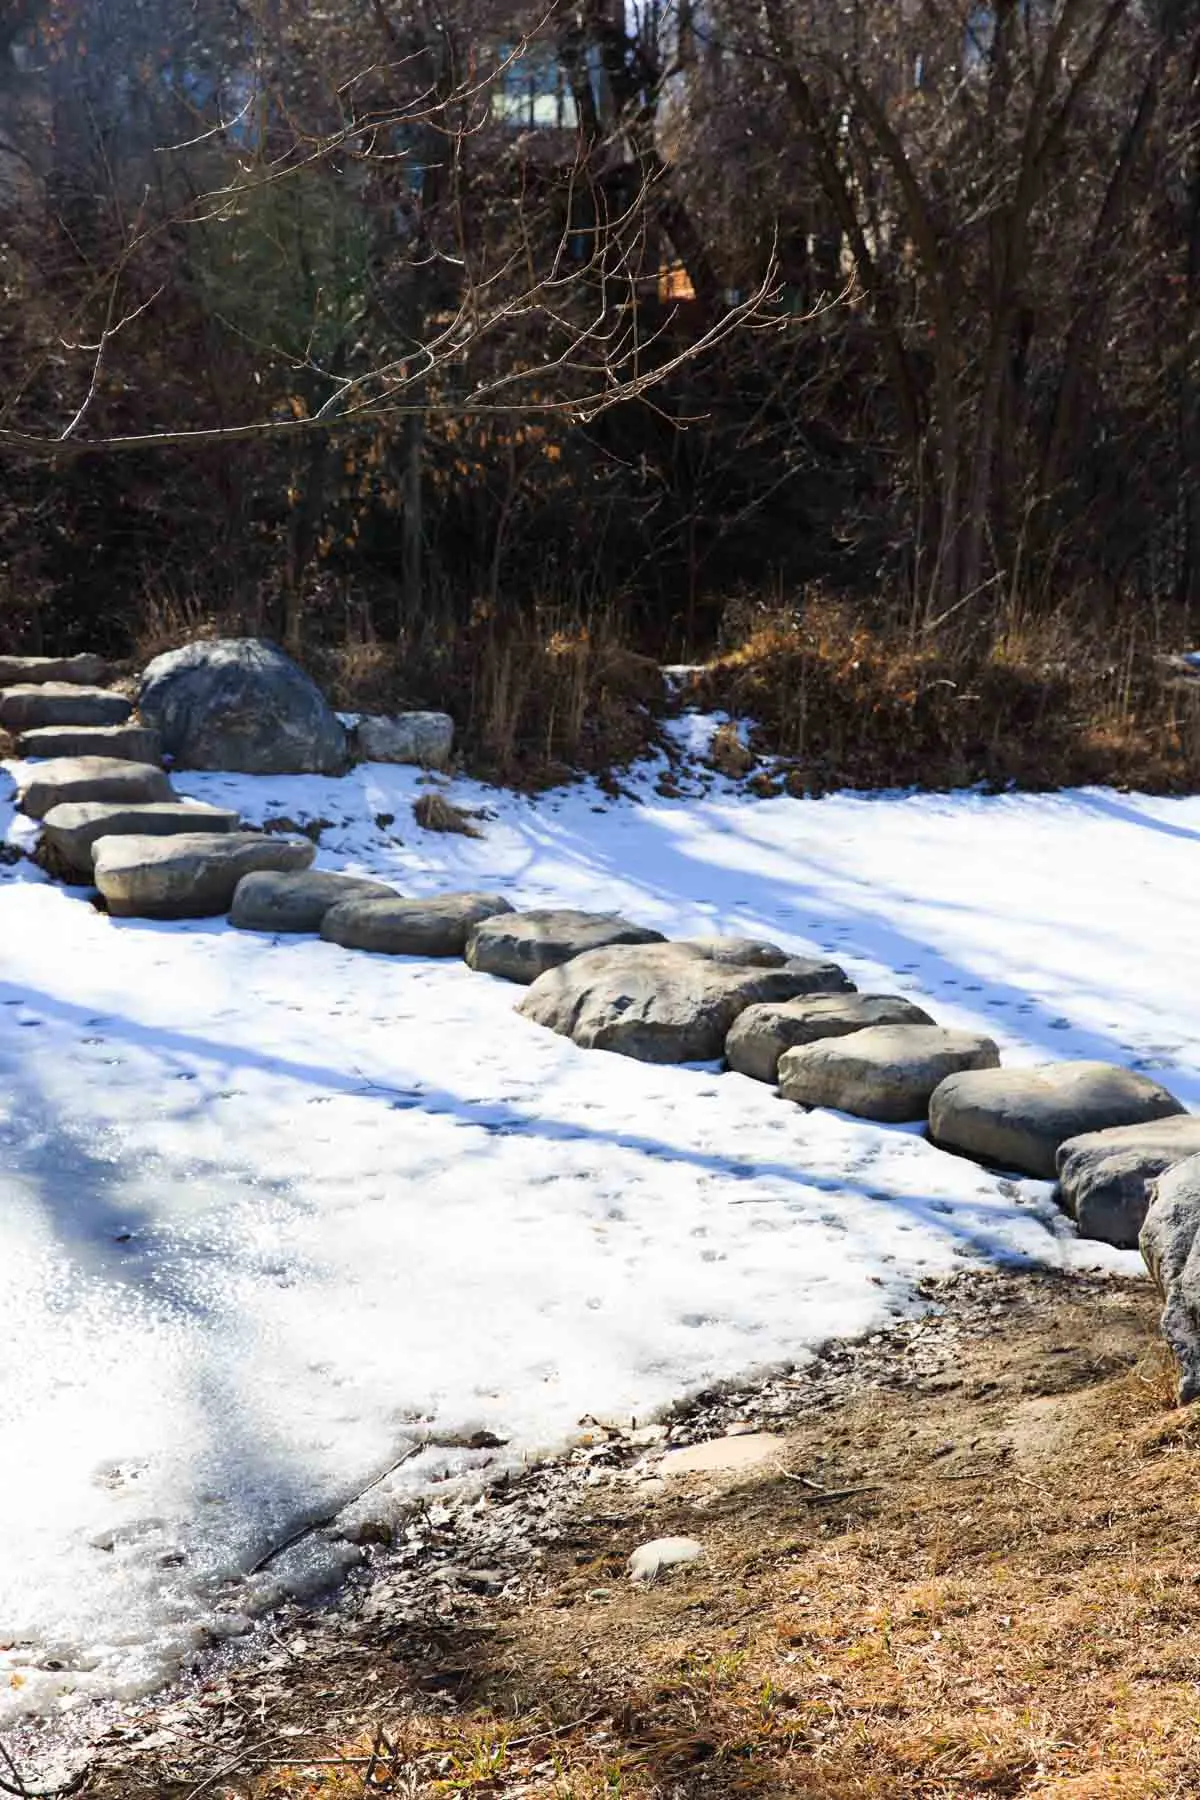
[(319, 1524)]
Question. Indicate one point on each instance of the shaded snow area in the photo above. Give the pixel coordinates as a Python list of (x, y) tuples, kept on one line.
[(273, 1211)]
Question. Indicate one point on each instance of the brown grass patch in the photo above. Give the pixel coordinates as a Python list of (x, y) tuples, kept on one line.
[(1012, 1610), (1036, 705), (433, 812)]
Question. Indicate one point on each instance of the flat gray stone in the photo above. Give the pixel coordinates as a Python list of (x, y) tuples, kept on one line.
[(1170, 1246), (241, 703), (187, 877), (412, 737), (32, 705), (79, 779), (69, 831), (84, 670), (761, 1034), (1104, 1176), (659, 1003), (269, 901), (128, 743), (1017, 1118), (438, 926), (885, 1072), (523, 945)]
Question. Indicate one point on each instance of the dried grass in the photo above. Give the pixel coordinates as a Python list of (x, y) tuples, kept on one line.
[(1018, 1617), (433, 812), (1035, 704)]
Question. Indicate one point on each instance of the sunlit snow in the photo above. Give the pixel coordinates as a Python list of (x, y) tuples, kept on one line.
[(273, 1210)]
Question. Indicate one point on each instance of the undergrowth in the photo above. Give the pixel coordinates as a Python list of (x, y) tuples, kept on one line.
[(835, 698)]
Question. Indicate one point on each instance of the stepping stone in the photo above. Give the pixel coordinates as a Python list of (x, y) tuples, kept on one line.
[(84, 670), (267, 901), (436, 927), (188, 877), (662, 1003), (1104, 1175), (522, 946), (27, 707), (128, 743), (885, 1072), (413, 737), (762, 1033), (69, 831), (1169, 1248), (1018, 1118), (86, 778)]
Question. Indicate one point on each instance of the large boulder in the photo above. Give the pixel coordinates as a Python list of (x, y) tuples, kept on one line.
[(187, 877), (436, 927), (269, 901), (1104, 1175), (885, 1072), (69, 831), (761, 1034), (127, 743), (240, 703), (520, 946), (413, 737), (84, 670), (1017, 1118), (1170, 1247), (79, 779), (661, 1003), (31, 705)]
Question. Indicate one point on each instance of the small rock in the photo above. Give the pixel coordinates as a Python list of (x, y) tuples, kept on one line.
[(732, 1455), (414, 737), (649, 1560)]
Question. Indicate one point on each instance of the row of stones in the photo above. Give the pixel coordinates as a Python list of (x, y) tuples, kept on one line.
[(598, 979), (609, 984)]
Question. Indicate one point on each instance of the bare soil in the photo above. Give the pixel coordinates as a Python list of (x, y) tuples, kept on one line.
[(970, 1570)]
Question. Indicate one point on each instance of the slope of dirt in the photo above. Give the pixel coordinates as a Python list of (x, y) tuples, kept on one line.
[(969, 1570)]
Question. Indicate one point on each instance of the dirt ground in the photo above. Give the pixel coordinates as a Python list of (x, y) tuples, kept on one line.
[(970, 1568)]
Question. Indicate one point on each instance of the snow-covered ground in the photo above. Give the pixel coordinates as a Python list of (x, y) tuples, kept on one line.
[(271, 1211)]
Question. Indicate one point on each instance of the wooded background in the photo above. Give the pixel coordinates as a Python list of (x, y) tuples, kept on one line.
[(437, 320)]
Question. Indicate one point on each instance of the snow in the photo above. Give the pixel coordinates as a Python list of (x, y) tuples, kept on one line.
[(274, 1211)]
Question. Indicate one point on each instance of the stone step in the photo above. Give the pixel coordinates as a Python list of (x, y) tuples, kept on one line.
[(70, 830), (82, 778), (84, 670), (187, 877), (30, 706), (128, 743)]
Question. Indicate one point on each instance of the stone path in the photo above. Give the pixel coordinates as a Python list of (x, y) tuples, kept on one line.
[(110, 817)]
